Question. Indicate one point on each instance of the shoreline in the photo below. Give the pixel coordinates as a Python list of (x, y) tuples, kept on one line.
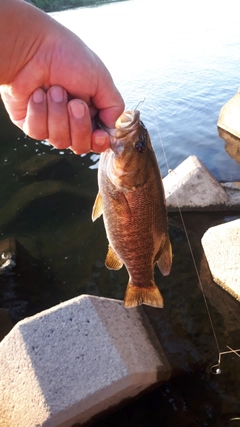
[(60, 5)]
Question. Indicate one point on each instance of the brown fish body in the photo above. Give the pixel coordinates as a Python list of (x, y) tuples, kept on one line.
[(131, 199)]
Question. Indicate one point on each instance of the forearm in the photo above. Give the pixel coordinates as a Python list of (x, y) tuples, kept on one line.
[(22, 30)]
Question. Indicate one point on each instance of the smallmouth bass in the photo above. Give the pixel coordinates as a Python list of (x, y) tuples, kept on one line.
[(132, 201)]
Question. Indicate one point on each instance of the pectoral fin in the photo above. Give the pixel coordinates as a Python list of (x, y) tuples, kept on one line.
[(164, 261), (97, 208), (112, 261)]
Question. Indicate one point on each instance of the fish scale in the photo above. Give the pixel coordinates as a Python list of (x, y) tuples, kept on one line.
[(132, 201)]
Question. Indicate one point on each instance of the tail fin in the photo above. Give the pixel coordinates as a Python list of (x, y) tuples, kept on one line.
[(137, 295)]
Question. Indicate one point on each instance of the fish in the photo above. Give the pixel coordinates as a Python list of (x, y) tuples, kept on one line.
[(132, 201)]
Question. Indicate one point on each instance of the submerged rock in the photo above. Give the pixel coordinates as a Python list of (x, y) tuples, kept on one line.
[(6, 323)]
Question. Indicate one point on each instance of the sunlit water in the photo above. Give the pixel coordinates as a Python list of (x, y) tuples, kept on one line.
[(184, 58)]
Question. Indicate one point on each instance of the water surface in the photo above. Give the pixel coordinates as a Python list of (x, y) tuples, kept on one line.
[(184, 58)]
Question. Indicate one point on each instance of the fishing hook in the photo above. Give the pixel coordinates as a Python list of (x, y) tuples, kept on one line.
[(140, 102), (218, 371)]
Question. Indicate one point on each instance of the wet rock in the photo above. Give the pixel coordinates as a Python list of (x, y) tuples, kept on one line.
[(47, 166), (108, 354), (232, 146), (7, 256), (6, 323), (191, 186), (222, 249), (35, 191), (26, 286), (233, 191), (229, 116)]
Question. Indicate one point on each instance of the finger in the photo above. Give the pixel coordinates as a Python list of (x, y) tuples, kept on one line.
[(35, 122), (80, 126), (108, 100), (110, 115), (58, 123), (100, 141)]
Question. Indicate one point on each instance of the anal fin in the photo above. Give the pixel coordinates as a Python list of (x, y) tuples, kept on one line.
[(112, 261), (164, 261)]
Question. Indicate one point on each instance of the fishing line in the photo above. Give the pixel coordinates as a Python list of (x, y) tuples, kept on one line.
[(215, 369)]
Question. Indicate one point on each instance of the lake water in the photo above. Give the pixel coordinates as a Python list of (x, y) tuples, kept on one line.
[(184, 58)]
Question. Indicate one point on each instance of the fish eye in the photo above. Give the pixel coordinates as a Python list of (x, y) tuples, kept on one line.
[(140, 146)]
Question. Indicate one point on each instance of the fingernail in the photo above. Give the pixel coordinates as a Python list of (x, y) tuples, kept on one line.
[(57, 94), (38, 96), (78, 109), (100, 140)]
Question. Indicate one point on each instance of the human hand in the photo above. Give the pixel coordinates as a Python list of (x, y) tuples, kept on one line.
[(58, 86)]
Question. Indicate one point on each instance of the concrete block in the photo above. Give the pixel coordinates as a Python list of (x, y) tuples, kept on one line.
[(233, 191), (221, 245), (191, 186), (75, 360), (229, 117)]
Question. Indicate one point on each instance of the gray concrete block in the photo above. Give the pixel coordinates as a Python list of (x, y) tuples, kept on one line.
[(233, 191), (221, 245), (191, 186), (229, 117), (75, 360)]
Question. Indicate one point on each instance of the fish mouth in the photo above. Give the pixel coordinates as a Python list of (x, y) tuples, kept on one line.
[(126, 122)]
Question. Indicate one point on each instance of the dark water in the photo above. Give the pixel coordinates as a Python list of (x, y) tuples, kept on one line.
[(188, 66)]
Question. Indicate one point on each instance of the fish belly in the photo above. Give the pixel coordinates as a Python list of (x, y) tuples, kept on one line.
[(137, 231)]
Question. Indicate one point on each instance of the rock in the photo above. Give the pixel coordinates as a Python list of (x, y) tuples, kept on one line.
[(24, 280), (221, 245), (232, 146), (229, 116), (37, 190), (233, 191), (191, 186), (76, 360), (46, 167), (7, 256), (6, 323)]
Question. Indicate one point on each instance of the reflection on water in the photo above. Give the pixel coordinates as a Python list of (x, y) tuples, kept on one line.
[(232, 146), (63, 5), (171, 54), (46, 198)]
